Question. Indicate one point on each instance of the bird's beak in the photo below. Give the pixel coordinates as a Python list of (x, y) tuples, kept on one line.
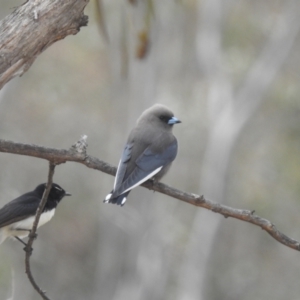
[(67, 194), (173, 121)]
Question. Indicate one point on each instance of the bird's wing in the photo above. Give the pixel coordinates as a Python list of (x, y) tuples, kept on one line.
[(126, 155), (18, 209), (148, 164)]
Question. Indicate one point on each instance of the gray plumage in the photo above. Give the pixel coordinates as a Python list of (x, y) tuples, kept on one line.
[(150, 149)]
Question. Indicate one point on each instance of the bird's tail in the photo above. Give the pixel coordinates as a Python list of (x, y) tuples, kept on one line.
[(119, 200)]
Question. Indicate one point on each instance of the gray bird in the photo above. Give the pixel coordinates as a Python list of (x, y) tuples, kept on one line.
[(150, 149)]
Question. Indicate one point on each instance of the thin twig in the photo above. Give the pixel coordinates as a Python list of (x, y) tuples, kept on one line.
[(227, 211), (58, 156), (32, 235)]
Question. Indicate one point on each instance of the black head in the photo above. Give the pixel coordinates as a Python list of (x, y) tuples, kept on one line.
[(55, 196)]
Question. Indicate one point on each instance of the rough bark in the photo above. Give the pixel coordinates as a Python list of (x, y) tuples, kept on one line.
[(32, 28)]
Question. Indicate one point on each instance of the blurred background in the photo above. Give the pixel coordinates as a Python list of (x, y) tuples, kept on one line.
[(230, 71)]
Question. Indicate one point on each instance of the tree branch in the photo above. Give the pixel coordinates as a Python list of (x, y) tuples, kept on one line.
[(77, 153), (32, 235), (32, 28)]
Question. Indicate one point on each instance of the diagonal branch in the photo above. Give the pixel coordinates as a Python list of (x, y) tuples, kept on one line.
[(32, 235), (77, 153), (227, 211)]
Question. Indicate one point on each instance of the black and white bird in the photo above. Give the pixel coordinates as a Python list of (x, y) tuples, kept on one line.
[(150, 149), (17, 216)]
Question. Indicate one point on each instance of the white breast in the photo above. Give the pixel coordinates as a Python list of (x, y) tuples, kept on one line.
[(15, 229)]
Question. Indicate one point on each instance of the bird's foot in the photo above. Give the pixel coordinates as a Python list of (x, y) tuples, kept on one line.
[(27, 248), (152, 184)]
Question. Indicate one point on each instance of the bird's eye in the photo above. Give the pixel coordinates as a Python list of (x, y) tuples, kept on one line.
[(165, 119)]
